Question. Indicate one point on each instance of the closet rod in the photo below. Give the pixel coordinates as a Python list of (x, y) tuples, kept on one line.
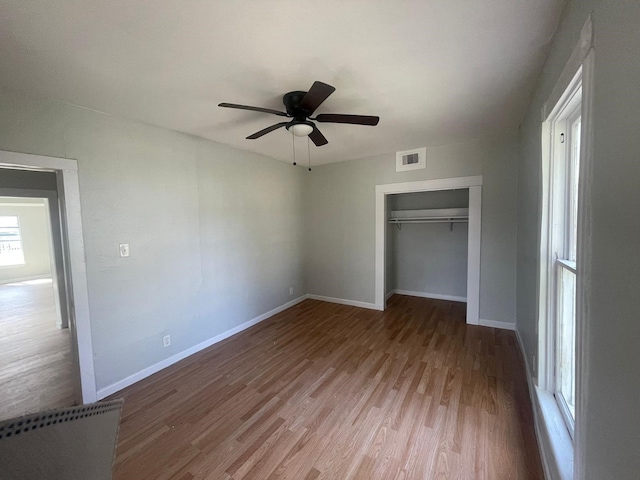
[(425, 220)]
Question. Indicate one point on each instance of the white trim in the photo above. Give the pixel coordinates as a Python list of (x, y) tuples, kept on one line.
[(474, 184), (167, 362), (435, 296), (70, 212), (497, 324), (41, 162), (554, 442), (473, 254), (583, 281), (571, 266), (543, 441), (21, 205), (580, 52), (78, 290), (343, 301), (426, 185)]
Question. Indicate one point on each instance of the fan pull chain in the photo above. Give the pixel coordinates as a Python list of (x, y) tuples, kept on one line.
[(309, 153), (293, 144)]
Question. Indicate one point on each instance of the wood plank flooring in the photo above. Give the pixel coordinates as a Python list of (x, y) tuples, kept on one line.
[(36, 366), (326, 391)]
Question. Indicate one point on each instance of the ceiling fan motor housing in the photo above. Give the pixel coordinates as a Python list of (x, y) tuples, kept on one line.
[(292, 101), (299, 126)]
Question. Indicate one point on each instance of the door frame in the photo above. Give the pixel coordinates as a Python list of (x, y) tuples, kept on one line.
[(474, 184), (73, 249)]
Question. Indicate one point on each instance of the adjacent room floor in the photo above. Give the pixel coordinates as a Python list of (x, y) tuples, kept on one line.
[(36, 368), (330, 391)]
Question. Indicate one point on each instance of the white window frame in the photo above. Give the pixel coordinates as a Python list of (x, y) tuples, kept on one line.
[(554, 244), (564, 236), (563, 456), (24, 261)]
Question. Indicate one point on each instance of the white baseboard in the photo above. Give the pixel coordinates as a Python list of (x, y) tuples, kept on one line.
[(497, 324), (142, 374), (434, 296), (390, 294), (342, 301), (167, 362), (552, 470)]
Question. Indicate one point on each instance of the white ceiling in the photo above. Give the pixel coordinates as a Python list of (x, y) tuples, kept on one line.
[(435, 71)]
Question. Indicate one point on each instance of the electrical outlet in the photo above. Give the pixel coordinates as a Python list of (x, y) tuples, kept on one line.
[(290, 290), (124, 250), (166, 340)]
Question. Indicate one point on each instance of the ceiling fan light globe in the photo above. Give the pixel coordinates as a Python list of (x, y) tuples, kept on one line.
[(301, 129)]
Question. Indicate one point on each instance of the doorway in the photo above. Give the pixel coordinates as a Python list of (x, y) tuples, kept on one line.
[(45, 337), (474, 186), (38, 370)]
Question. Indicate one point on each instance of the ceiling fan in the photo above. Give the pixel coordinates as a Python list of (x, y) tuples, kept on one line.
[(299, 107)]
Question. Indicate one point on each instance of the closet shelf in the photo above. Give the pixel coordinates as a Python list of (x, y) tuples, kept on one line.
[(432, 215)]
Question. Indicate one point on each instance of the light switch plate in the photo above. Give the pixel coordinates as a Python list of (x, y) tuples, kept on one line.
[(124, 250)]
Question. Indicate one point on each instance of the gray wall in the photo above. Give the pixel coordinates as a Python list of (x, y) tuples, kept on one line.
[(33, 217), (341, 225), (612, 394), (215, 232), (429, 258), (30, 180)]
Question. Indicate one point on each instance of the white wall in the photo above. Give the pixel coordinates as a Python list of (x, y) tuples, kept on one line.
[(341, 220), (612, 392), (215, 232), (429, 258), (33, 218)]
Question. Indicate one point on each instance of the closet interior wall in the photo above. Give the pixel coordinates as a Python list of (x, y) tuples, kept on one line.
[(423, 259)]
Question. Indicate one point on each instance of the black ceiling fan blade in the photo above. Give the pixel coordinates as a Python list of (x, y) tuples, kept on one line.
[(317, 94), (264, 131), (255, 109), (353, 119), (318, 138)]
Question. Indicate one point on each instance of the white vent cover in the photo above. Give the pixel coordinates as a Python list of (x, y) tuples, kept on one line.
[(411, 159)]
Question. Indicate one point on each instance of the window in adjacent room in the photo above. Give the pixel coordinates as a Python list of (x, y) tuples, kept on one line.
[(11, 252), (560, 272)]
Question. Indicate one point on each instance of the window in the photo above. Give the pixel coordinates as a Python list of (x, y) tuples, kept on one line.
[(10, 242), (559, 255)]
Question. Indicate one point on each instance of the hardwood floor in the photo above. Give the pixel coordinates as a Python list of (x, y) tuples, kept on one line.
[(326, 391), (36, 366)]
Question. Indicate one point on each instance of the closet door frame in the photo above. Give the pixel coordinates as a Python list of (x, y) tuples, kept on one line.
[(474, 184)]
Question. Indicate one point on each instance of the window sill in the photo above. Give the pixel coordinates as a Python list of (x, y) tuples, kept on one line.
[(557, 446)]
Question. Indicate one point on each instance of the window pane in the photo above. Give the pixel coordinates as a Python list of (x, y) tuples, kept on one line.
[(566, 349), (10, 243), (9, 221), (574, 174)]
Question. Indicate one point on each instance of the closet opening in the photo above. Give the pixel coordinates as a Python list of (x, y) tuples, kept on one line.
[(428, 241)]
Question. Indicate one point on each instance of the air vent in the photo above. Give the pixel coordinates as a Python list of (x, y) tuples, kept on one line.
[(411, 159)]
